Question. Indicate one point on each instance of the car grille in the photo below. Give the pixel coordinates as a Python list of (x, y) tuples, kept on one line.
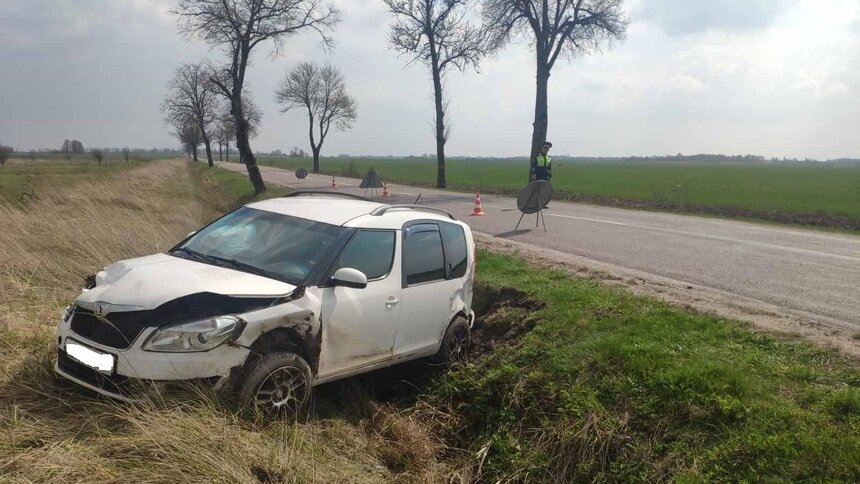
[(116, 333), (112, 383)]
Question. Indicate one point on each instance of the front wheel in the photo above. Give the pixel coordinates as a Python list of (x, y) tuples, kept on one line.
[(455, 343), (278, 386)]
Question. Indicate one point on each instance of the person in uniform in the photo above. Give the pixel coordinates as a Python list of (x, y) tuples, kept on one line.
[(542, 166)]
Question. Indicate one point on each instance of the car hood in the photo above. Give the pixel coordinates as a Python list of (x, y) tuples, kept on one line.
[(148, 282)]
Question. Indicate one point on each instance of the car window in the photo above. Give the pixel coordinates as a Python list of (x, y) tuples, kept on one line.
[(455, 240), (423, 259), (370, 251)]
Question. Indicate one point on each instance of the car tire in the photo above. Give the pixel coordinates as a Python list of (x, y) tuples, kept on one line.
[(455, 343), (279, 385)]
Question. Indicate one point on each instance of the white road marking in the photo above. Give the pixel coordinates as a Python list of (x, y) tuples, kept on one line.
[(721, 238), (583, 218)]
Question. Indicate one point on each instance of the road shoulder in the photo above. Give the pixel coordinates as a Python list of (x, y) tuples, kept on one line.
[(762, 316)]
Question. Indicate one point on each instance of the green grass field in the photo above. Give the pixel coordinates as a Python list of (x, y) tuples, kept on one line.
[(20, 181), (788, 188), (611, 387)]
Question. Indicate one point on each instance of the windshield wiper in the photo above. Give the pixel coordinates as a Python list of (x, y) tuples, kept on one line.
[(246, 267), (214, 259), (195, 254)]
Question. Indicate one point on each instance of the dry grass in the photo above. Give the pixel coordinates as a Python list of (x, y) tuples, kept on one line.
[(51, 431)]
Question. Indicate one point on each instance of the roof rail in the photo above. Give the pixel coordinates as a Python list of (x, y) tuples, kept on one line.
[(299, 193), (381, 210)]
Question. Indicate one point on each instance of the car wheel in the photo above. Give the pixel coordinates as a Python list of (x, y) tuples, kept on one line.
[(455, 343), (278, 386)]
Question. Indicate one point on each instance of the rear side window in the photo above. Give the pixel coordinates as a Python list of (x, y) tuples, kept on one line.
[(423, 257), (370, 251), (455, 248)]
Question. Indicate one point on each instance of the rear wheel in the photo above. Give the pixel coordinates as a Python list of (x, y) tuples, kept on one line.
[(278, 386), (455, 343)]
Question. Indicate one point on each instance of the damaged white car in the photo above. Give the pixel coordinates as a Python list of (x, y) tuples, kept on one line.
[(275, 298)]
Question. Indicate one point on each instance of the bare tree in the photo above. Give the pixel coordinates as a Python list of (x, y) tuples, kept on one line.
[(253, 117), (188, 133), (320, 91), (226, 129), (239, 26), (436, 34), (556, 28), (5, 151), (98, 155), (191, 95), (125, 153), (221, 136)]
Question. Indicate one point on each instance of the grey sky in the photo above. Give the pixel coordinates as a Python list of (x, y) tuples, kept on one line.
[(771, 77)]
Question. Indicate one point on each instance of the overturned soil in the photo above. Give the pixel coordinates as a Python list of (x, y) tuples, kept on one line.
[(504, 316)]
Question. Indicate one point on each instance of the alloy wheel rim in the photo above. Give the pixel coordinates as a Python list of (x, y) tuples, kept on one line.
[(458, 344), (283, 391)]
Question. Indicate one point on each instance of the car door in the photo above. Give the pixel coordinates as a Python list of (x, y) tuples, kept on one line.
[(427, 294), (359, 325)]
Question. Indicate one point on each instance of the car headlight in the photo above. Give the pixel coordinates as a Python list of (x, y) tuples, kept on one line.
[(195, 336), (67, 313)]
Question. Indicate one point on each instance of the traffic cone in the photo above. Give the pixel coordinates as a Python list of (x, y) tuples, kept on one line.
[(478, 209), (385, 193), (333, 184)]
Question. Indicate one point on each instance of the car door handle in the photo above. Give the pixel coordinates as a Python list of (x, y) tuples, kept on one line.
[(391, 302)]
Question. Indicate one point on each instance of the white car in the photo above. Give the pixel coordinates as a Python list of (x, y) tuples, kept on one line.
[(276, 297)]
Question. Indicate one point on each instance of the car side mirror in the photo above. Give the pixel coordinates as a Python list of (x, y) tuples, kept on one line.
[(349, 277)]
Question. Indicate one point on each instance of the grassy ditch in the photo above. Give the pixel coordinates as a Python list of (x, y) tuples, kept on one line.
[(53, 431), (608, 386)]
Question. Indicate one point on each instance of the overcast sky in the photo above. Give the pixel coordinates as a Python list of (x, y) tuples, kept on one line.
[(770, 77)]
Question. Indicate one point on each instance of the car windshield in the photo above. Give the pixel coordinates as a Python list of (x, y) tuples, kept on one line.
[(264, 243)]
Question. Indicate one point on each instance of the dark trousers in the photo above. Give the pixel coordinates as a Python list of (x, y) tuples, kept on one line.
[(542, 173)]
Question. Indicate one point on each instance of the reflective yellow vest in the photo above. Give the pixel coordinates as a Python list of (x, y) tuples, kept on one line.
[(543, 160)]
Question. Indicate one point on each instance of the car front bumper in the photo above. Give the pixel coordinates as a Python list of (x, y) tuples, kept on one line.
[(137, 373)]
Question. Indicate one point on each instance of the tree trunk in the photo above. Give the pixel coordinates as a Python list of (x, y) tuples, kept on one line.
[(194, 152), (244, 146), (316, 152), (228, 152), (440, 122), (220, 151), (541, 121), (208, 151)]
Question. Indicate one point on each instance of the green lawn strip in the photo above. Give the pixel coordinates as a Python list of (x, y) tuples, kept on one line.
[(737, 190), (610, 386)]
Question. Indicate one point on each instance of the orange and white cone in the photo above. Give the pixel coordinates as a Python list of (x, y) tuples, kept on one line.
[(478, 209), (385, 193), (333, 184)]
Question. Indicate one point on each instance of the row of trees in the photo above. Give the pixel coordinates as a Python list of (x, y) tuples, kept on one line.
[(72, 146), (436, 33), (197, 114), (5, 151)]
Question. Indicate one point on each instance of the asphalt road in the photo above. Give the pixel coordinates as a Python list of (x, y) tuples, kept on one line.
[(808, 273)]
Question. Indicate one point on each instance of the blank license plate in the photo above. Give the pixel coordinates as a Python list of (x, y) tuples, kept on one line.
[(103, 362)]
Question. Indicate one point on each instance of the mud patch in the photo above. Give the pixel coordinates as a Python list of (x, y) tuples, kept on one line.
[(504, 316)]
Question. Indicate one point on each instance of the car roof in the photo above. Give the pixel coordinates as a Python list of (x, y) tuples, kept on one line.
[(347, 212)]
